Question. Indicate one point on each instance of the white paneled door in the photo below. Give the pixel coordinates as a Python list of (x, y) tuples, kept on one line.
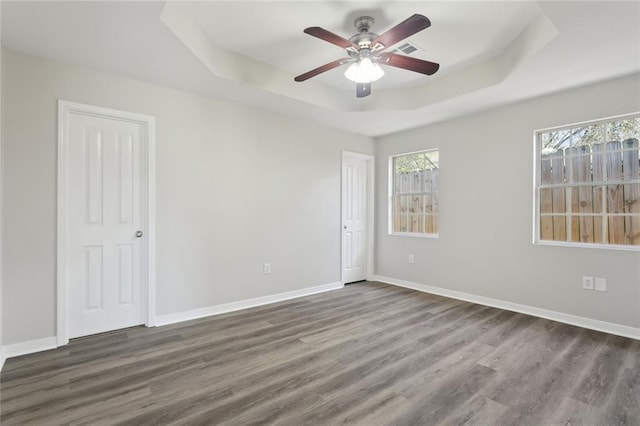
[(354, 219), (105, 224)]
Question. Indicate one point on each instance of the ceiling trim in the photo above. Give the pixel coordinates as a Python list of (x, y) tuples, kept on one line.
[(242, 69)]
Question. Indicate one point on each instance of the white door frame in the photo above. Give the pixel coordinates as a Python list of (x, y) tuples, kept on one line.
[(369, 232), (65, 109)]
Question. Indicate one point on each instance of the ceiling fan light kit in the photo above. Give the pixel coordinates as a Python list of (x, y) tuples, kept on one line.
[(366, 52), (364, 71)]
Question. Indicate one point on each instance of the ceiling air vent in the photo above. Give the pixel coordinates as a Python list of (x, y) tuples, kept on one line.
[(406, 48)]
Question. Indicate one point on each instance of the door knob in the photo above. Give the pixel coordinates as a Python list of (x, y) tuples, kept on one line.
[(139, 234)]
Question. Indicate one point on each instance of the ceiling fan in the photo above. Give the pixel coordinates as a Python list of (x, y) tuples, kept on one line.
[(366, 52)]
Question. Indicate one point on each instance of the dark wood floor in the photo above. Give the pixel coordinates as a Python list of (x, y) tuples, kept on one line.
[(369, 354)]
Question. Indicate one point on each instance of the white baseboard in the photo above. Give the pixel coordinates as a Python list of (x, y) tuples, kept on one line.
[(38, 345), (243, 304), (607, 327), (29, 347)]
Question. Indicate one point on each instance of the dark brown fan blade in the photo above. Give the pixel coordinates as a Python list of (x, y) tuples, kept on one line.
[(407, 63), (332, 38), (363, 89), (404, 29), (326, 67)]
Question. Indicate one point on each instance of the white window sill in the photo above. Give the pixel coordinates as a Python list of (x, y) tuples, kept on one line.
[(414, 234), (587, 245)]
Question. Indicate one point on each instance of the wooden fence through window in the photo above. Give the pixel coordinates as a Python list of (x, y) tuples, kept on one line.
[(591, 194), (415, 202)]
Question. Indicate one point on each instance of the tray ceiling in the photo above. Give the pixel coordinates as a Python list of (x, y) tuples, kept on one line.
[(491, 53)]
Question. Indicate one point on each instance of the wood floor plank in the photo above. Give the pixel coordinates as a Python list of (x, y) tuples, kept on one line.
[(623, 408), (437, 405), (601, 376), (573, 412), (478, 410), (537, 392), (368, 354)]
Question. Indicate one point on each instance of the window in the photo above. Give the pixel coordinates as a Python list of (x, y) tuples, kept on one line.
[(414, 194), (588, 184)]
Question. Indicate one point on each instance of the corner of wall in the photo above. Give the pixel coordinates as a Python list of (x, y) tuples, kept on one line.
[(1, 193)]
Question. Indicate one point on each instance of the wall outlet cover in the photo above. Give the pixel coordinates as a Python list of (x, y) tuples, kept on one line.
[(587, 283), (601, 284)]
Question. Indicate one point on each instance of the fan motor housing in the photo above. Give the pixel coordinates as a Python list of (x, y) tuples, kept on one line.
[(363, 39)]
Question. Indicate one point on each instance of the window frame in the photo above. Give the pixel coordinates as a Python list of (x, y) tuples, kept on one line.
[(537, 179), (390, 197)]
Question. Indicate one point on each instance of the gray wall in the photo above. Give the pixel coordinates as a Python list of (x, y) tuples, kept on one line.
[(236, 187), (1, 190), (486, 209)]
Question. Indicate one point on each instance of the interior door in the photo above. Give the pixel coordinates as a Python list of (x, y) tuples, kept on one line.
[(354, 219), (106, 248)]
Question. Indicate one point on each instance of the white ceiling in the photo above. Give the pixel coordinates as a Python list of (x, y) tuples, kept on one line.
[(491, 53), (271, 32)]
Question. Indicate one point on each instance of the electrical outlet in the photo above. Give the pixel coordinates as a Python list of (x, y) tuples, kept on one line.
[(601, 284), (587, 283), (267, 268), (411, 259)]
